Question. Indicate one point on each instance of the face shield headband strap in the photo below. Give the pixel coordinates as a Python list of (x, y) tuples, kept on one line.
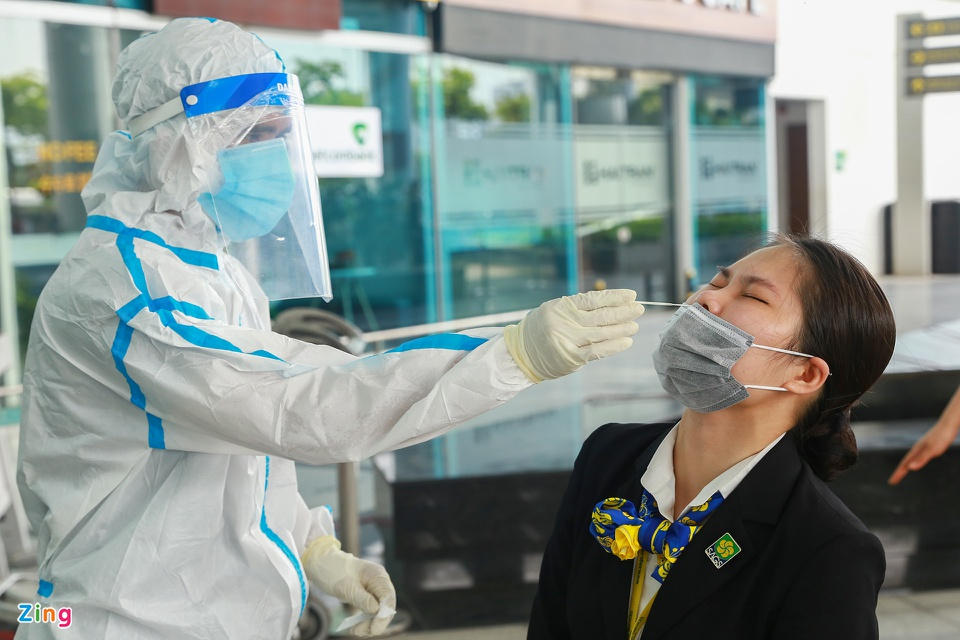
[(220, 94), (152, 118)]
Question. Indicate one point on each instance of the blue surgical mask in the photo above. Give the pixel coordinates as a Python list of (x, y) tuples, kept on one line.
[(696, 353), (258, 187)]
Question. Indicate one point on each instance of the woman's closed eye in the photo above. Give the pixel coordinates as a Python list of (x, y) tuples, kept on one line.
[(754, 297), (747, 294), (721, 279)]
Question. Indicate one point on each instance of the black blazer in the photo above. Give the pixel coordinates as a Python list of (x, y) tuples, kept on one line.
[(808, 567)]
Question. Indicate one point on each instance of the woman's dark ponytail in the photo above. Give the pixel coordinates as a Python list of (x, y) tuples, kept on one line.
[(829, 445), (848, 322)]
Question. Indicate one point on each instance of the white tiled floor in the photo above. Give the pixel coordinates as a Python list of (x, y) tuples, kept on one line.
[(933, 615), (502, 632)]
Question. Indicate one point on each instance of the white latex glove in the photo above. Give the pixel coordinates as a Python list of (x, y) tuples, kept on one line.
[(360, 583), (563, 334)]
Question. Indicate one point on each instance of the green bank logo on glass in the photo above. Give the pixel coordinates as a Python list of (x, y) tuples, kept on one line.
[(723, 550), (360, 133)]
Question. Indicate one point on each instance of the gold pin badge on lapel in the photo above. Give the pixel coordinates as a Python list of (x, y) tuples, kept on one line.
[(723, 550)]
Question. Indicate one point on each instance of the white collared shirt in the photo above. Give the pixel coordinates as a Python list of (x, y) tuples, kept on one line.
[(660, 481)]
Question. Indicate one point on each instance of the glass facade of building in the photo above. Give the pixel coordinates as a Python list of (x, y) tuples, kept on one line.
[(387, 16), (624, 180), (728, 163), (55, 86), (377, 232), (504, 203), (503, 184)]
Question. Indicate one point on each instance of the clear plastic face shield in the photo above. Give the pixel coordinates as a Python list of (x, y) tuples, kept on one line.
[(262, 193)]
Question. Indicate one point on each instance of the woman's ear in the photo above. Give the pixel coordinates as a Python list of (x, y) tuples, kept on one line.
[(811, 377)]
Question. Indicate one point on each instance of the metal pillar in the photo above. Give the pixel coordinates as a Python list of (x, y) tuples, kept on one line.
[(911, 215)]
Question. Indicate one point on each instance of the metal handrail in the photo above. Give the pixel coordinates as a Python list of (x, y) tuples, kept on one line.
[(12, 390), (493, 319)]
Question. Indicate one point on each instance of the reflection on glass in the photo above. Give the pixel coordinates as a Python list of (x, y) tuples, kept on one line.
[(25, 100), (729, 187), (29, 282), (383, 15), (25, 89), (374, 225), (623, 180), (503, 197), (55, 87), (56, 98)]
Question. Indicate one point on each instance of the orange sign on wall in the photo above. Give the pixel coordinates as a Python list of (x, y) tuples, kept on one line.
[(65, 151)]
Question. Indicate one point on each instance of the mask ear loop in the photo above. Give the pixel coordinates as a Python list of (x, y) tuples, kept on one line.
[(786, 351), (778, 350)]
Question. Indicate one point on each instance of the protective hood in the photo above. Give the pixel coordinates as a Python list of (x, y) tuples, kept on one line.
[(162, 165), (166, 163)]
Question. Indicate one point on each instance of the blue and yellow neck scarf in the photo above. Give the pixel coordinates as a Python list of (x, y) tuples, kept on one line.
[(622, 529)]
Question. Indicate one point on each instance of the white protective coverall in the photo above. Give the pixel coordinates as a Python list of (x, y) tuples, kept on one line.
[(160, 413)]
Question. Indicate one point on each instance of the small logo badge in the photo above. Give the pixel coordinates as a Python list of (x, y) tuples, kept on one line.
[(723, 550), (360, 133)]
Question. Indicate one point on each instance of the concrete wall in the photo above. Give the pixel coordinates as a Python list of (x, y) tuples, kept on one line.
[(843, 52)]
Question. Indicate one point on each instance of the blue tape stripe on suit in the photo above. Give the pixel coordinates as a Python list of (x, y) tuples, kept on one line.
[(186, 308), (189, 256), (452, 341), (46, 589), (162, 307), (280, 543)]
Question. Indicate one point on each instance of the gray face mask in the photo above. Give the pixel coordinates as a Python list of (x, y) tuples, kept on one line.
[(697, 350)]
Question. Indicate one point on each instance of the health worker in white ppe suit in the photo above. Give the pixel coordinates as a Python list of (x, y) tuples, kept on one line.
[(160, 412)]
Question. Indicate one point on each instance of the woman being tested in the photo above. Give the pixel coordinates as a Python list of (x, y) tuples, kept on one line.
[(721, 526)]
